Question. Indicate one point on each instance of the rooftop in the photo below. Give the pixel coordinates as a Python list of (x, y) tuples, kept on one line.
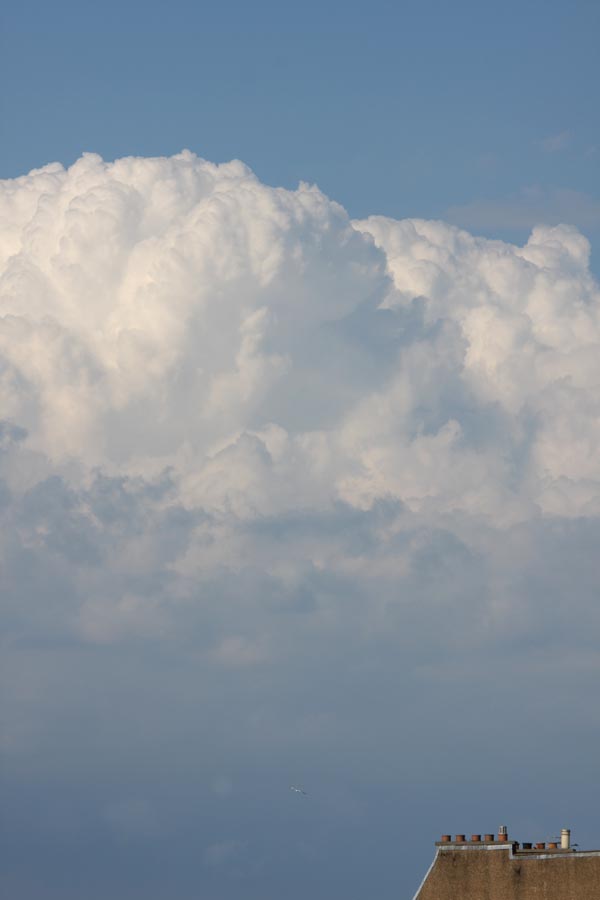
[(496, 867)]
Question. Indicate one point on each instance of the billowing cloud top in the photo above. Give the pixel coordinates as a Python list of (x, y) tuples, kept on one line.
[(237, 422), (174, 314), (174, 319)]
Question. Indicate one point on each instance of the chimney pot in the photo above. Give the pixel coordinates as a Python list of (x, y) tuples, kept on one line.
[(489, 837), (460, 838), (541, 845), (565, 838), (446, 838), (476, 838)]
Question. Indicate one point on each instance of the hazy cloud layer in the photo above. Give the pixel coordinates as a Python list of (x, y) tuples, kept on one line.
[(554, 143), (317, 462), (525, 208)]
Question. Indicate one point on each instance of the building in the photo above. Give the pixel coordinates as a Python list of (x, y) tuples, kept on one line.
[(497, 868)]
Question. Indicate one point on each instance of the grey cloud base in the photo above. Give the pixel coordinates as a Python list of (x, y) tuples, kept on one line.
[(286, 498)]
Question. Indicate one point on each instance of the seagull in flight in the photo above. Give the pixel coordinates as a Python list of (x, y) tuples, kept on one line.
[(297, 790)]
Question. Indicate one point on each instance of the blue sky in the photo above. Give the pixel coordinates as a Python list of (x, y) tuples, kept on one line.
[(297, 486), (483, 113)]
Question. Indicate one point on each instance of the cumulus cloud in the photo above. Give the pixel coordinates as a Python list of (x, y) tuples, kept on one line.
[(288, 444), (188, 354), (170, 313)]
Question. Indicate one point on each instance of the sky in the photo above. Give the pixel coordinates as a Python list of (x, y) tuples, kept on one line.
[(299, 442), (482, 114)]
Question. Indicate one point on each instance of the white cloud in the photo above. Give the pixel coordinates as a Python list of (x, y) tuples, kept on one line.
[(513, 340), (173, 315), (318, 457)]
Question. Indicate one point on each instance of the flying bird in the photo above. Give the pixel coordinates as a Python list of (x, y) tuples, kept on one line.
[(298, 790)]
